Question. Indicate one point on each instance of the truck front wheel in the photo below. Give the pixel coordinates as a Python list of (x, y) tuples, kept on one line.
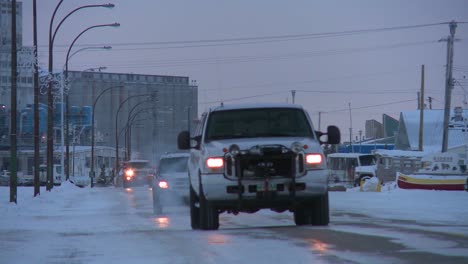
[(302, 215), (209, 216), (315, 212), (194, 211), (321, 213)]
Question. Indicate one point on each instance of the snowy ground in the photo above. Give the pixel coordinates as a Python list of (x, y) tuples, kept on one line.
[(111, 225)]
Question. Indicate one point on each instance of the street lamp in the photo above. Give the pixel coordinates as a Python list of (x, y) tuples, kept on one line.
[(127, 135), (67, 107), (116, 127), (66, 166), (128, 125), (50, 99), (65, 70), (87, 48), (91, 173)]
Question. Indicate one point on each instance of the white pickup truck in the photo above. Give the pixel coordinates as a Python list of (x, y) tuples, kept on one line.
[(57, 174), (244, 158)]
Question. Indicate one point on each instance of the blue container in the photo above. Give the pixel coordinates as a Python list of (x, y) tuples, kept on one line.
[(86, 116)]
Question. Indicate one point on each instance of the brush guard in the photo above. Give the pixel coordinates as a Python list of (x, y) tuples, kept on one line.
[(264, 163)]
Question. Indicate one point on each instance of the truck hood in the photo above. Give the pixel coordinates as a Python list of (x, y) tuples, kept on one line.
[(215, 148)]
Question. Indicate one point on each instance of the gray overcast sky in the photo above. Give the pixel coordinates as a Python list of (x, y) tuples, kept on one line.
[(329, 73)]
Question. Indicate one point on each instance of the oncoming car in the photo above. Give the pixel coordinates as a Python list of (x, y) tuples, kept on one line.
[(244, 158), (136, 173), (170, 184)]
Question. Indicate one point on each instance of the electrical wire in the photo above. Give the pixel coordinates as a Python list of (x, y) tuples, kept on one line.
[(262, 58), (369, 106), (236, 41)]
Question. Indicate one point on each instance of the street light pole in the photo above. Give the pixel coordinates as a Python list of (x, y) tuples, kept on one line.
[(91, 173), (127, 127), (37, 189), (50, 110), (13, 137), (67, 106), (127, 137), (117, 128)]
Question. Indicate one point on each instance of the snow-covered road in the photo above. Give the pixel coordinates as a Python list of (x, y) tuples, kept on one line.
[(111, 225)]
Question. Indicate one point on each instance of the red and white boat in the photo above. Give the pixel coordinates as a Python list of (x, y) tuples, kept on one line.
[(440, 171)]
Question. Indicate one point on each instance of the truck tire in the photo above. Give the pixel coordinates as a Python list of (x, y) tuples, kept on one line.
[(209, 216), (194, 211), (321, 213), (302, 215)]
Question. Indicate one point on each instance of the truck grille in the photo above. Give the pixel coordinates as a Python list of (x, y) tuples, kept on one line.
[(271, 161)]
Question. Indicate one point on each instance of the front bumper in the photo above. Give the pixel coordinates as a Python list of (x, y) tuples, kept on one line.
[(218, 188)]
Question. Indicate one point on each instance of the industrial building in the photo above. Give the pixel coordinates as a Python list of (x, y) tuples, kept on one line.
[(145, 112), (25, 58), (154, 108)]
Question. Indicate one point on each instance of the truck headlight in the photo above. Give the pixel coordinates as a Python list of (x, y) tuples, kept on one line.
[(215, 164)]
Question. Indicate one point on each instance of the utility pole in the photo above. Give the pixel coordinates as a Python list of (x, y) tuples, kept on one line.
[(293, 93), (448, 83), (319, 119), (421, 111), (419, 100), (13, 151), (350, 130), (37, 189)]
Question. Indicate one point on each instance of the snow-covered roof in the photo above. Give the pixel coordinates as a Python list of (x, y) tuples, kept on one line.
[(347, 155), (400, 153), (432, 129)]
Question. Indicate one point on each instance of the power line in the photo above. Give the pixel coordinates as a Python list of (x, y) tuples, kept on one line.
[(235, 41), (332, 111), (369, 106), (245, 59), (240, 98)]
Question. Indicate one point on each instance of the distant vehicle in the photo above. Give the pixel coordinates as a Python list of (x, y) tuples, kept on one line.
[(391, 162), (136, 173), (28, 180), (244, 158), (4, 178), (349, 169), (171, 183), (43, 174), (80, 181), (25, 180)]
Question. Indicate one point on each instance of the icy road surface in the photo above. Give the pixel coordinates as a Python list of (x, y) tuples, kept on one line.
[(113, 225)]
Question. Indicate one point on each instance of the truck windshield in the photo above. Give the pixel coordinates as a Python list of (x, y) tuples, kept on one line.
[(261, 122), (367, 160)]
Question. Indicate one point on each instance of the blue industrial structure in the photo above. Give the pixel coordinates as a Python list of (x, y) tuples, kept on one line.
[(363, 148), (79, 117)]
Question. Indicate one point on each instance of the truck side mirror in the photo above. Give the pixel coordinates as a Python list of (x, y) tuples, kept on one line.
[(334, 135), (183, 140)]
